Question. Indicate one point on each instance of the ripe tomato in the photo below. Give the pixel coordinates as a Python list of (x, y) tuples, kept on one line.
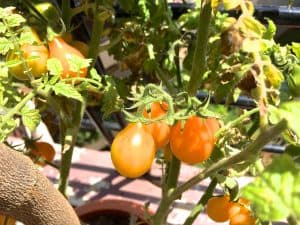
[(37, 66), (63, 51), (81, 46), (133, 151), (40, 151), (213, 125), (218, 208), (9, 220), (244, 217), (160, 131), (194, 143)]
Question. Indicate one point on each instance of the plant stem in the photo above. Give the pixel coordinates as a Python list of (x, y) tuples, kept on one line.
[(236, 121), (66, 13), (292, 220), (202, 202), (199, 58), (164, 80), (17, 108), (173, 173), (249, 153)]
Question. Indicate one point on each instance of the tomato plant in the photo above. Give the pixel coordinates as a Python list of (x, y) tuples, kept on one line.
[(133, 151), (160, 131), (192, 142), (40, 152), (59, 49)]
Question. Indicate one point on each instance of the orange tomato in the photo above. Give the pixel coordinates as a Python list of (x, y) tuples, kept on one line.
[(63, 51), (40, 151), (244, 217), (37, 65), (213, 125), (218, 208), (194, 143), (160, 131), (133, 151), (7, 219)]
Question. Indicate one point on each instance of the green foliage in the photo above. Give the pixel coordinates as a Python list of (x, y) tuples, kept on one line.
[(30, 117), (67, 90), (275, 194)]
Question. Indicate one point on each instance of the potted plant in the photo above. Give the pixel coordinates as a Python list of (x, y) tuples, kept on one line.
[(171, 64)]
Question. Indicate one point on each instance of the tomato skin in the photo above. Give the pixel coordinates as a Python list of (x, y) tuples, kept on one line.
[(218, 208), (37, 66), (43, 150), (160, 131), (243, 218), (194, 143), (63, 51), (213, 125), (10, 220), (133, 151), (81, 46)]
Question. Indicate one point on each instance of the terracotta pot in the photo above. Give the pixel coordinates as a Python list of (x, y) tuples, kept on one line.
[(112, 207)]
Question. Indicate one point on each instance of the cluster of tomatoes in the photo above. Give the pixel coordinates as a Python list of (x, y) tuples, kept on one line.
[(134, 148), (36, 55), (221, 209)]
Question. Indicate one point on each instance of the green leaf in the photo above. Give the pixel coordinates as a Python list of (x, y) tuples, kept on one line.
[(5, 45), (7, 128), (276, 193), (95, 75), (54, 66), (143, 6), (291, 111), (111, 101), (14, 20), (30, 117), (77, 63), (231, 4), (2, 28), (67, 90), (296, 49), (271, 29), (26, 37)]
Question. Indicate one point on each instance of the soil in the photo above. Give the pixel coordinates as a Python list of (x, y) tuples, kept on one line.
[(112, 218)]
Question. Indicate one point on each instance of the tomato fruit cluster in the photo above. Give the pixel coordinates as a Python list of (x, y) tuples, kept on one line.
[(40, 152), (194, 141), (221, 209), (36, 55)]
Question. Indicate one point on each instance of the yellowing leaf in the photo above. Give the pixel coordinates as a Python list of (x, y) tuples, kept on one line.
[(251, 27), (231, 4), (273, 75)]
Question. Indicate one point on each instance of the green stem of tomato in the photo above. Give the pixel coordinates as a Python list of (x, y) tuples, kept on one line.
[(70, 119), (66, 13), (199, 58), (17, 108), (202, 202), (248, 154), (173, 173), (236, 121)]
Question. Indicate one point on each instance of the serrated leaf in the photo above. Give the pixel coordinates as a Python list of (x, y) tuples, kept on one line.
[(2, 28), (5, 45), (30, 117), (231, 4), (95, 75), (54, 66), (26, 38), (251, 27), (111, 100), (14, 20), (276, 193), (76, 63), (296, 49), (67, 90), (271, 29)]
